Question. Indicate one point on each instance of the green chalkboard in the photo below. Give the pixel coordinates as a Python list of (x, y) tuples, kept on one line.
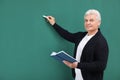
[(26, 39)]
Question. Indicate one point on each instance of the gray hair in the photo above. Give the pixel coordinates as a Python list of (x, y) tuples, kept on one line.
[(95, 12)]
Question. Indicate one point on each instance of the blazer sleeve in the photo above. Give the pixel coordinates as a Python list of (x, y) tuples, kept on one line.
[(66, 34), (100, 58)]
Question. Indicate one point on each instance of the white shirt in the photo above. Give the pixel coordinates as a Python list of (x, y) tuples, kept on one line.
[(80, 47)]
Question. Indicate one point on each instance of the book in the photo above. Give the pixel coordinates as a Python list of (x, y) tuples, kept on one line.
[(62, 55)]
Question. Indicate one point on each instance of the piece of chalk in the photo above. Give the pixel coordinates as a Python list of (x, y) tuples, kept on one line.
[(44, 16)]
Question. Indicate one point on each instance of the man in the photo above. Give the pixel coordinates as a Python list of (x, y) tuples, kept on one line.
[(91, 49)]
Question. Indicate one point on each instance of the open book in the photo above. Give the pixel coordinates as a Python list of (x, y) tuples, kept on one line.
[(60, 56)]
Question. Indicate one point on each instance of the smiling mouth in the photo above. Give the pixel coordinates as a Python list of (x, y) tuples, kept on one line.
[(88, 26)]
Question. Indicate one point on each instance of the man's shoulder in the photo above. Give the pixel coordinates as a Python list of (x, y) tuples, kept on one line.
[(101, 39)]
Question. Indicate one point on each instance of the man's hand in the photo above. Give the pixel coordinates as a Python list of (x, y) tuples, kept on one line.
[(51, 20), (71, 65)]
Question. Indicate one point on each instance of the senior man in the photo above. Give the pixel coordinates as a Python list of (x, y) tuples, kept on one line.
[(91, 48)]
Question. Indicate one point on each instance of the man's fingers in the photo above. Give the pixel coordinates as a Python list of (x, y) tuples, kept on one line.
[(67, 63), (50, 19)]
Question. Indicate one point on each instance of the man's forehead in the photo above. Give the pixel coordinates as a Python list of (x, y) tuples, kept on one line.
[(90, 16)]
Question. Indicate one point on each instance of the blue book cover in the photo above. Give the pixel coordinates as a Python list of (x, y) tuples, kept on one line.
[(60, 56)]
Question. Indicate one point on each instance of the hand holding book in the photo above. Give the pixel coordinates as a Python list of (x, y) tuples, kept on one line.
[(65, 58), (71, 65)]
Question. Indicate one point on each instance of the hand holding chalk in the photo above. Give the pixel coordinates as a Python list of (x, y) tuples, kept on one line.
[(50, 19)]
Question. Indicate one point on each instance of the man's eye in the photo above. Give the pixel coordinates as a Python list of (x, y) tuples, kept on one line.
[(91, 20)]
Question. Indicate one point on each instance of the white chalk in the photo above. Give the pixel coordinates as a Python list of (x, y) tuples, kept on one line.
[(44, 16)]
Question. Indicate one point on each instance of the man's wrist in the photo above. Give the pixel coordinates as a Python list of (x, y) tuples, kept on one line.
[(53, 24)]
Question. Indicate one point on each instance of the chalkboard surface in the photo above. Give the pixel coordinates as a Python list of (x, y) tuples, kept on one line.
[(26, 39)]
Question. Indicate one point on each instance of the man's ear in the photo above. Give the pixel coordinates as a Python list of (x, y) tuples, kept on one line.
[(99, 22)]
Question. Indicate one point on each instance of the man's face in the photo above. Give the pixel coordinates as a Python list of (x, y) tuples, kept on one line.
[(91, 22)]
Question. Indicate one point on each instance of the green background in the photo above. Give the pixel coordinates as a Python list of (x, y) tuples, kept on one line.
[(26, 39)]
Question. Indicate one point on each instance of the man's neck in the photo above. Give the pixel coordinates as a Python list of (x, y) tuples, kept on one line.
[(92, 32)]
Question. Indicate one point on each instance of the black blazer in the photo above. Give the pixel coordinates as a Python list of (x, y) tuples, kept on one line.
[(94, 56)]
